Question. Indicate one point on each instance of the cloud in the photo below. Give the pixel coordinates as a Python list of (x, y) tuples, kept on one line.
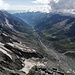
[(41, 1), (45, 8), (3, 5), (62, 5), (58, 5)]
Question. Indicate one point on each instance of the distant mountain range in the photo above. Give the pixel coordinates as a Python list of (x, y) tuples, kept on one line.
[(32, 18), (49, 22)]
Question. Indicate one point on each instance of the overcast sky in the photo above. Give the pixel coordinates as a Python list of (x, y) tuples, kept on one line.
[(39, 5)]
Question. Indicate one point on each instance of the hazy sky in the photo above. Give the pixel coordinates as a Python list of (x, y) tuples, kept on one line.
[(19, 2), (39, 5), (28, 5)]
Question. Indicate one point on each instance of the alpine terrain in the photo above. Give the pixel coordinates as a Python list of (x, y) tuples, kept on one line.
[(47, 48), (56, 36)]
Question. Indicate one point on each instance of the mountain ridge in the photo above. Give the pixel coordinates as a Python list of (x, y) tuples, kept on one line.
[(15, 49)]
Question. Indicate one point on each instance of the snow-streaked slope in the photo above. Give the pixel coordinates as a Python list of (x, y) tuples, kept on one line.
[(7, 23), (29, 63), (4, 50)]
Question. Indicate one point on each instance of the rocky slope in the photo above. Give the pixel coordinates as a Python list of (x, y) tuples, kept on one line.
[(57, 34), (16, 58), (20, 56)]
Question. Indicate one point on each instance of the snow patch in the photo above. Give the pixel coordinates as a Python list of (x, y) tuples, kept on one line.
[(3, 51), (5, 34), (7, 23), (22, 47), (33, 50), (29, 63), (68, 72), (11, 44), (2, 46), (73, 71)]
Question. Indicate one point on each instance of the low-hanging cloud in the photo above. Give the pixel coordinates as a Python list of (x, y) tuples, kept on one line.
[(62, 4), (3, 5), (58, 5), (66, 6), (41, 1)]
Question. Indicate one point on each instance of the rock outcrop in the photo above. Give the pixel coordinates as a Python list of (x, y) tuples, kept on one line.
[(14, 56), (42, 70)]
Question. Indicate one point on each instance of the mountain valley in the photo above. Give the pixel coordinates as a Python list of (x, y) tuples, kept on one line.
[(37, 44), (56, 36)]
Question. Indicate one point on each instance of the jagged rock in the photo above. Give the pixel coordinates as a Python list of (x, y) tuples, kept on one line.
[(12, 58), (42, 68), (39, 71), (23, 53), (60, 73), (42, 73), (22, 73), (36, 71), (15, 60), (46, 74)]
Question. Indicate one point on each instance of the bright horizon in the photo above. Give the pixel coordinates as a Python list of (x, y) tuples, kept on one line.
[(39, 5), (26, 5)]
